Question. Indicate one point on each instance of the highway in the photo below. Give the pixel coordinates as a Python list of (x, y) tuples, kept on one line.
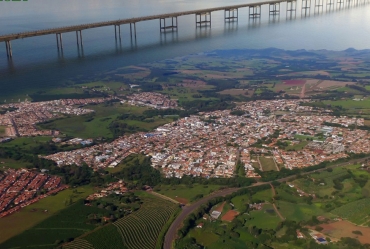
[(172, 231)]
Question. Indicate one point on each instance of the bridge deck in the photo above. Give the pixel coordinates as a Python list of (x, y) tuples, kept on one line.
[(10, 37)]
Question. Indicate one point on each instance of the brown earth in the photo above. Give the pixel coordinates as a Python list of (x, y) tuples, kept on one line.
[(333, 83), (230, 215), (220, 207), (344, 228), (181, 200)]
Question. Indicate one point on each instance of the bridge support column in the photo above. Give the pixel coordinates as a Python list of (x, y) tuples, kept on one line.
[(173, 25), (117, 27), (59, 41), (133, 24), (256, 11), (200, 21), (340, 2), (319, 3), (330, 2), (232, 15), (291, 5), (79, 39), (8, 47), (274, 8), (306, 4)]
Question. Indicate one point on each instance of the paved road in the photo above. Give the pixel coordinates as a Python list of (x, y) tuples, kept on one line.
[(172, 231)]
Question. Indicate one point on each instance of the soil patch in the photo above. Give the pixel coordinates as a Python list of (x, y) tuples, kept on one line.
[(181, 200), (344, 229), (220, 207), (230, 215)]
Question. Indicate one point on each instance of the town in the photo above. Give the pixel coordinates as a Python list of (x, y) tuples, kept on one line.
[(20, 188), (210, 144)]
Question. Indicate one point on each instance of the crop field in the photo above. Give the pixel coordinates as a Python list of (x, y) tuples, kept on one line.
[(356, 212), (268, 163), (102, 238), (14, 164), (185, 192), (141, 229), (66, 224), (78, 244), (33, 214)]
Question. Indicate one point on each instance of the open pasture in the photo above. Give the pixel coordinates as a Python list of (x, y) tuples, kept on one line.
[(268, 164), (298, 212), (185, 192)]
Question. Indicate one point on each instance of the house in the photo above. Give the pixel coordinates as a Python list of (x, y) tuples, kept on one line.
[(200, 225)]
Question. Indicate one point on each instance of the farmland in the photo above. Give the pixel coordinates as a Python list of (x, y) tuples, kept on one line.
[(34, 214), (356, 212), (66, 224), (182, 194), (141, 229)]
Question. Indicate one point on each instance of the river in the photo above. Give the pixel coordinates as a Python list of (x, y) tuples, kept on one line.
[(36, 63)]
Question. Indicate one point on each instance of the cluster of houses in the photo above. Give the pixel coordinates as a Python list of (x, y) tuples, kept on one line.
[(19, 188)]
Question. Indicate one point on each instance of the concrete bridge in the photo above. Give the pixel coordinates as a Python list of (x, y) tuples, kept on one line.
[(202, 17)]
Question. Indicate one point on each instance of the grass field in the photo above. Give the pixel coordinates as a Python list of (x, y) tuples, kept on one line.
[(266, 218), (82, 126), (2, 130), (186, 192), (14, 164), (363, 104), (298, 212), (33, 214), (268, 163), (25, 142)]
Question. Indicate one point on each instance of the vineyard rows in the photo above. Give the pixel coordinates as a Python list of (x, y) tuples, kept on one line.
[(78, 244), (140, 230)]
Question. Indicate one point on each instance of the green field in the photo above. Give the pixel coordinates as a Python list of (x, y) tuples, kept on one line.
[(25, 143), (266, 218), (14, 164), (349, 103), (267, 163), (97, 124), (356, 212), (185, 191), (298, 212), (2, 130), (33, 214)]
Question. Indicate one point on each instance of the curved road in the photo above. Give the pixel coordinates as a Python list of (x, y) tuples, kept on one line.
[(172, 231)]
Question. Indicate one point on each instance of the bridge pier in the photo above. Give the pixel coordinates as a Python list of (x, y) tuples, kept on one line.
[(232, 15), (202, 21), (319, 3), (59, 40), (330, 2), (134, 24), (115, 31), (8, 47), (164, 27), (274, 8), (291, 5), (79, 40), (306, 4), (256, 11)]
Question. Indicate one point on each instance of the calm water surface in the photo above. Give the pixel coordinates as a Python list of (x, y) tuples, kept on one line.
[(36, 62)]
